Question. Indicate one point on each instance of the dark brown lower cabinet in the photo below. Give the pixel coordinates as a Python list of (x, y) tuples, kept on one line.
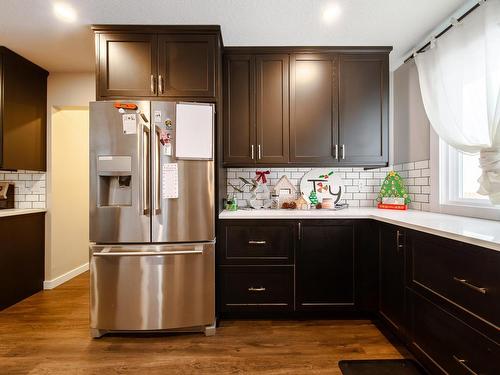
[(325, 266), (256, 288), (21, 257), (447, 345)]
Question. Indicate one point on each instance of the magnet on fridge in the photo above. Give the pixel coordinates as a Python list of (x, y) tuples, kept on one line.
[(121, 110), (157, 116), (168, 123), (167, 150)]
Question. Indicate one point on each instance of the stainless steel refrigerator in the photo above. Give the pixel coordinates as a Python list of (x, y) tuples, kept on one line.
[(152, 219)]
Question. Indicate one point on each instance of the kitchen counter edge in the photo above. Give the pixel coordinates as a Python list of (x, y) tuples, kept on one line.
[(21, 211)]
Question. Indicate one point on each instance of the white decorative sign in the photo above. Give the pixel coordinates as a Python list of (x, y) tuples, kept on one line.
[(321, 183)]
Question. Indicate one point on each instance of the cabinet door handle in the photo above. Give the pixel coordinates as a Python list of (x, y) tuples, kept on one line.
[(252, 289), (153, 88), (343, 147), (336, 152), (469, 285), (160, 84), (463, 363), (252, 242), (399, 235), (252, 154), (259, 155), (300, 231)]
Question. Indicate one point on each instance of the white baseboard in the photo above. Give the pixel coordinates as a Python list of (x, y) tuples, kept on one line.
[(51, 284)]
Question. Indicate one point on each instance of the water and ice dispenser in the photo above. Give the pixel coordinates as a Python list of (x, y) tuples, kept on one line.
[(114, 181)]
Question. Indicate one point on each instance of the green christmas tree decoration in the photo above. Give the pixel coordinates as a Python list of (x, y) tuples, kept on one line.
[(313, 198), (393, 187)]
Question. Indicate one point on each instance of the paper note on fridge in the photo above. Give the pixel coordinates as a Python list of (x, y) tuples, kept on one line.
[(129, 123), (169, 181), (194, 131)]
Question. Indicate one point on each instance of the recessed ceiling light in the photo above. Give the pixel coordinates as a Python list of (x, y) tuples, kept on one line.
[(64, 12), (331, 12)]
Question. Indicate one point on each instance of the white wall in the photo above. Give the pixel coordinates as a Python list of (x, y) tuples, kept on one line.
[(68, 94), (410, 122)]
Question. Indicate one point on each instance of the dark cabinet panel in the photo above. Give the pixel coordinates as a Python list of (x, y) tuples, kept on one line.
[(391, 274), (313, 108), (127, 65), (448, 344), (186, 65), (21, 257), (23, 113), (239, 109), (325, 266), (256, 242), (272, 108), (363, 109), (463, 274), (256, 288)]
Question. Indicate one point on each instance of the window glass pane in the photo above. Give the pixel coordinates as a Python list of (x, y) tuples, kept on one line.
[(470, 174)]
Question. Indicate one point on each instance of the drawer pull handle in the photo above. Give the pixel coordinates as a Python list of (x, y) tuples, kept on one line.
[(251, 242), (463, 363), (467, 284), (252, 289)]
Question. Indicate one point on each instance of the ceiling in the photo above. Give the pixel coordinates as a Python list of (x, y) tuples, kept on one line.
[(30, 28)]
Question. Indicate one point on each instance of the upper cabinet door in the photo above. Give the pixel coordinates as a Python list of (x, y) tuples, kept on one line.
[(186, 65), (127, 65), (313, 115), (272, 108), (364, 109), (239, 109)]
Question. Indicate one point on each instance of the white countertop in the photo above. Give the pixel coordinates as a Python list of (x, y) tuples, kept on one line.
[(485, 233), (20, 211)]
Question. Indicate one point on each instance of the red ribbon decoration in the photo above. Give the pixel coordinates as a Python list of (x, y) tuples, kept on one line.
[(262, 175)]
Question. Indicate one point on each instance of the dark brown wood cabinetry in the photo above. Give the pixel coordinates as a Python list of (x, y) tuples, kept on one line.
[(256, 109), (314, 109), (21, 257), (363, 109), (325, 266), (392, 277), (306, 106), (23, 113), (178, 62)]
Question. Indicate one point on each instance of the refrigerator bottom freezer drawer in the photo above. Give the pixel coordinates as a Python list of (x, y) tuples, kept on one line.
[(152, 287)]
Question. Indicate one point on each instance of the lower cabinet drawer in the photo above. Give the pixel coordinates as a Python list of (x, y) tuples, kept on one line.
[(256, 288), (448, 343)]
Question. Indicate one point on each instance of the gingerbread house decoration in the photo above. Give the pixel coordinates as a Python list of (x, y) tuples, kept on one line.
[(301, 202), (284, 187)]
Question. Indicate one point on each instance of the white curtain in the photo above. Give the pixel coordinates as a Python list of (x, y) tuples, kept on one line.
[(460, 83)]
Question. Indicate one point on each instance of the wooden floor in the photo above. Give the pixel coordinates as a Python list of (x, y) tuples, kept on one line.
[(48, 334)]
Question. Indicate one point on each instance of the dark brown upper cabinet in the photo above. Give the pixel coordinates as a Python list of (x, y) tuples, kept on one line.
[(300, 106), (186, 65), (23, 113), (127, 65), (314, 109), (363, 109), (256, 109), (175, 62)]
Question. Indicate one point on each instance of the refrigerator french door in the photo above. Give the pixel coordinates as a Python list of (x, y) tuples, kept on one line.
[(151, 253)]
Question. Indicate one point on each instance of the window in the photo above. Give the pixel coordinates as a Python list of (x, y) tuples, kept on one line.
[(457, 189)]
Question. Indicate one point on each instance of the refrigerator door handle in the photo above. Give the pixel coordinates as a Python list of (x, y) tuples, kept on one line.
[(145, 171), (146, 253), (157, 174)]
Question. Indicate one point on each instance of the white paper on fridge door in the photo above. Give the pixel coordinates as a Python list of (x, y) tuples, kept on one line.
[(194, 131), (170, 181)]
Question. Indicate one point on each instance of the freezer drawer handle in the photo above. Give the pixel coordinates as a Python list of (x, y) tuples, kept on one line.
[(146, 253)]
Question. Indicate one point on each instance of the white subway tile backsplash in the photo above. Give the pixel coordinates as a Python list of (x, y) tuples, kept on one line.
[(361, 187), (30, 188)]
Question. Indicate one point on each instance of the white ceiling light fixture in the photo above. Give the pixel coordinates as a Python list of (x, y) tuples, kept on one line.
[(331, 12), (64, 12)]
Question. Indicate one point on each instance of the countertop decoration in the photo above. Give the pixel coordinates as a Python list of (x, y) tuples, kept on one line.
[(393, 194), (320, 183), (285, 191), (260, 191)]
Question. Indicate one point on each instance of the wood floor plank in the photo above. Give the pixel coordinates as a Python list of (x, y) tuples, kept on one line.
[(48, 333)]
